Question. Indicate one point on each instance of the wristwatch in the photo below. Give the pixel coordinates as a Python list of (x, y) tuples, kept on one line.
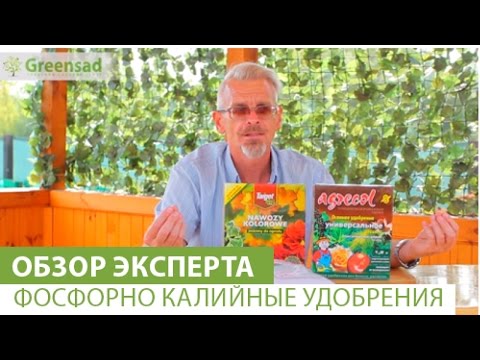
[(409, 265)]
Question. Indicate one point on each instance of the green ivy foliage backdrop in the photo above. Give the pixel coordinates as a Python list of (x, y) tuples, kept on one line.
[(406, 117), (126, 134)]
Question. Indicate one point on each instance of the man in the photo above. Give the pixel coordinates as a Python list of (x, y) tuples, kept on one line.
[(248, 115)]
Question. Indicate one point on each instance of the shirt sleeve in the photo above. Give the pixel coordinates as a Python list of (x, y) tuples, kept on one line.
[(323, 176), (182, 191), (328, 177)]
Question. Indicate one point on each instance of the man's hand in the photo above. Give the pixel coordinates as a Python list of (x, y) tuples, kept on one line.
[(437, 237), (168, 229)]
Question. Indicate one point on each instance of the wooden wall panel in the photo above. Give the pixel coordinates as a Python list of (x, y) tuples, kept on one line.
[(147, 221), (90, 228), (3, 227), (136, 231), (78, 230), (22, 226), (59, 236), (126, 204), (464, 252), (101, 229), (125, 230), (24, 198), (48, 226), (71, 218), (10, 233), (92, 219), (113, 229)]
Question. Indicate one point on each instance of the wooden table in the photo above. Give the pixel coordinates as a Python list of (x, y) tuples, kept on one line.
[(465, 278), (397, 276), (300, 275)]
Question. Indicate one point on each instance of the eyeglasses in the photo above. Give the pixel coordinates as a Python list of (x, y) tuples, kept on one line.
[(240, 112)]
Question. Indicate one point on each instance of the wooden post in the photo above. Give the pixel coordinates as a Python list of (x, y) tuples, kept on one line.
[(54, 107), (8, 157), (239, 55)]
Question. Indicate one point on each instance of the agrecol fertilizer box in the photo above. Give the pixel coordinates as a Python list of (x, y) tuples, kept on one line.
[(352, 231)]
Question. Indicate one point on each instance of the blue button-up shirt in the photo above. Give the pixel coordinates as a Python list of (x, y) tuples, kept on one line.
[(196, 186)]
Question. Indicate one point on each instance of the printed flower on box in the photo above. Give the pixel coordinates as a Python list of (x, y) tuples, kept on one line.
[(267, 215)]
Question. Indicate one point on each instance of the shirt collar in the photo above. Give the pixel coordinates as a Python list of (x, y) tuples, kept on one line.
[(274, 169), (232, 174)]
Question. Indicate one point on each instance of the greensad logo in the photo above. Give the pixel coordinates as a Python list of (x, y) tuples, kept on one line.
[(12, 65), (33, 65), (56, 66)]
